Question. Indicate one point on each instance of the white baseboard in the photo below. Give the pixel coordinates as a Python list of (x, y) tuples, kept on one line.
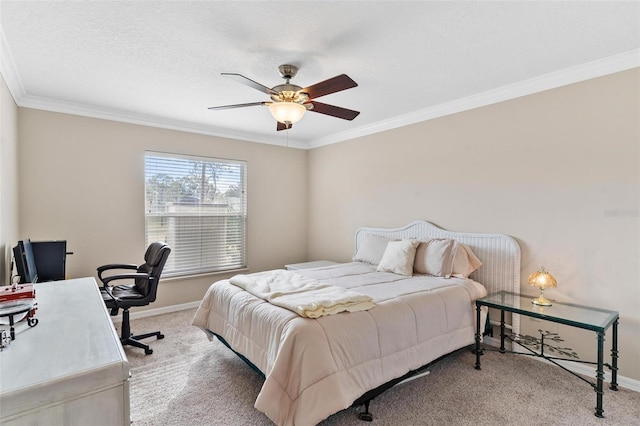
[(158, 311), (576, 367)]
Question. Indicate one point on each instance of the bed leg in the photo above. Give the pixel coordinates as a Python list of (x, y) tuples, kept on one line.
[(366, 416)]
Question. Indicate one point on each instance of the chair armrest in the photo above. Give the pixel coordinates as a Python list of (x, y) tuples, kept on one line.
[(107, 280), (107, 289), (112, 266)]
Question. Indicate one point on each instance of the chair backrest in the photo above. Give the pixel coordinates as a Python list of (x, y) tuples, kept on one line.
[(155, 258)]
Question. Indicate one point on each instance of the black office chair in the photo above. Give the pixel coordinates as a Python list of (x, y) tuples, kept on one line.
[(141, 293)]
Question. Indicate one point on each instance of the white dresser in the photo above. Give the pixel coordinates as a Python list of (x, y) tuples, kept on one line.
[(69, 369)]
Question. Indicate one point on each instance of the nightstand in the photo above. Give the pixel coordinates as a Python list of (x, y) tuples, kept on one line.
[(308, 265), (585, 317)]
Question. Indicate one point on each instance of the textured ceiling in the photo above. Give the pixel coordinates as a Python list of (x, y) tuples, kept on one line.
[(160, 62)]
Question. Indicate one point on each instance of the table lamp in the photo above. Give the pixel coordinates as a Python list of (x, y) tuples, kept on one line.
[(542, 279)]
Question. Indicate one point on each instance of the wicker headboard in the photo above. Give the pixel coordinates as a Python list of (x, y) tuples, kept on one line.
[(500, 254)]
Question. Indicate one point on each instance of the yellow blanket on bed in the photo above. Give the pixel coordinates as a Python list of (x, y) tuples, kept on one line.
[(304, 296)]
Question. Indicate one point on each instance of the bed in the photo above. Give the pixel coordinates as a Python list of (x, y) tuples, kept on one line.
[(315, 367)]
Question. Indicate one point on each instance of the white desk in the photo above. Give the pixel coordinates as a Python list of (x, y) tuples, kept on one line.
[(70, 369)]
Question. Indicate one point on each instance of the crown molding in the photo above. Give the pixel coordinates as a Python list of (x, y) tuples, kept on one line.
[(151, 121), (610, 65), (23, 100), (8, 70)]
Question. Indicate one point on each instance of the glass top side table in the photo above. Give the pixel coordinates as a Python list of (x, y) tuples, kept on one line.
[(585, 317)]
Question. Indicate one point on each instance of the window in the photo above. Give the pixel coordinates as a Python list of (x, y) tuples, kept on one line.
[(198, 206)]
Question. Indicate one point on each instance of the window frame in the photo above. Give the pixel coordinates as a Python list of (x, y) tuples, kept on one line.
[(201, 209)]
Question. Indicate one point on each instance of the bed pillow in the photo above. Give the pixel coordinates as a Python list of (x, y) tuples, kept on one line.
[(435, 257), (465, 261), (371, 249), (398, 257)]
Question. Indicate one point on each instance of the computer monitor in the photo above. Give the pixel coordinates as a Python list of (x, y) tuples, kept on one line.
[(25, 262), (51, 259)]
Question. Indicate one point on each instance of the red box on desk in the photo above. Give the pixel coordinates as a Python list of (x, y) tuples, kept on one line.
[(22, 291)]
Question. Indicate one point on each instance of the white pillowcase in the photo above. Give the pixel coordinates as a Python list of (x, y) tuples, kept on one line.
[(435, 257), (465, 261), (398, 257), (371, 249)]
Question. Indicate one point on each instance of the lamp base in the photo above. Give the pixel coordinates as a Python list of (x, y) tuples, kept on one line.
[(541, 301)]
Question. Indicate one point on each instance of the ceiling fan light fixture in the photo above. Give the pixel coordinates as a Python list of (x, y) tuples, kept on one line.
[(287, 112), (290, 101)]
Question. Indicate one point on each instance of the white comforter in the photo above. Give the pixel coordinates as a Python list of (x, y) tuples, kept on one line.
[(317, 367), (305, 296)]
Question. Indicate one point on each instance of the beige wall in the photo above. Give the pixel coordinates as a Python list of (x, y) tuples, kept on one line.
[(549, 169), (82, 180), (8, 179)]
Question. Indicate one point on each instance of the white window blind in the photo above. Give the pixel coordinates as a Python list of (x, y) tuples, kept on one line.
[(198, 206)]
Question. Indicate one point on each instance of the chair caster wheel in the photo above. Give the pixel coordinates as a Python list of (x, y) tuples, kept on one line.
[(160, 336), (367, 417), (148, 351)]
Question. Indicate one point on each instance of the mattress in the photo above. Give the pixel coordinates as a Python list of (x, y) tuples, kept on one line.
[(316, 367)]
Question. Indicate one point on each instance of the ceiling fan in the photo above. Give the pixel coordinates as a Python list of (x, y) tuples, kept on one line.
[(290, 101)]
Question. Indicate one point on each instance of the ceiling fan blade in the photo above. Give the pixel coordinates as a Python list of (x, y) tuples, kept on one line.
[(239, 105), (247, 81), (332, 85), (334, 111), (282, 126)]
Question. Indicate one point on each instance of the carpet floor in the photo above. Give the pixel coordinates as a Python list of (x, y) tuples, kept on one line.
[(189, 380)]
